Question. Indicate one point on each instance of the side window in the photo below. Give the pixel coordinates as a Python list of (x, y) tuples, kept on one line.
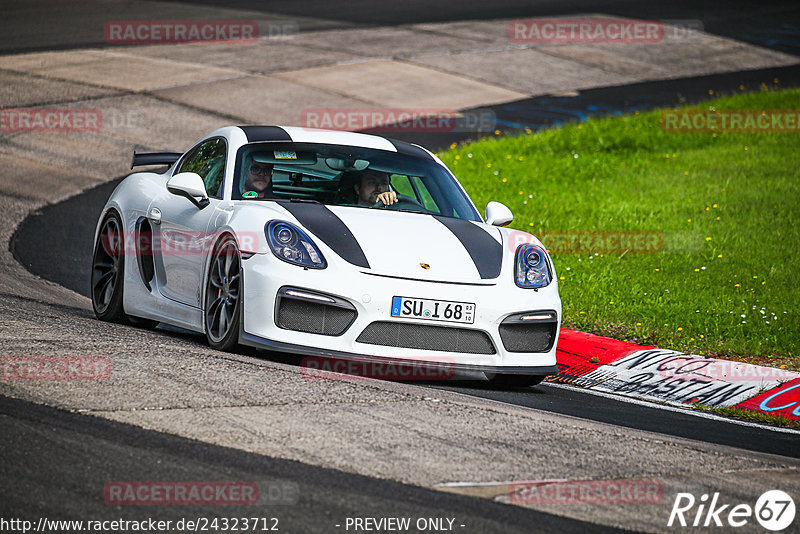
[(414, 187), (402, 185), (425, 196), (208, 160)]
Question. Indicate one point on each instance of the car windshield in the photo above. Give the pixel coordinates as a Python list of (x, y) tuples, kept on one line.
[(347, 176)]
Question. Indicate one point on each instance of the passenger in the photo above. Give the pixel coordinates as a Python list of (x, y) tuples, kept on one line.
[(258, 177)]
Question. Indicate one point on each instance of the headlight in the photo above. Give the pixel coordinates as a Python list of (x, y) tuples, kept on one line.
[(291, 244), (531, 268)]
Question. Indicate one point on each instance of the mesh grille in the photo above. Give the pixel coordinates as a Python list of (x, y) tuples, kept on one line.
[(420, 336), (313, 318), (535, 337)]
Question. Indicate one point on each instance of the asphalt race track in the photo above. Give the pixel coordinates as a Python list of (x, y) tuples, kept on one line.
[(335, 450), (56, 244), (82, 453), (769, 23)]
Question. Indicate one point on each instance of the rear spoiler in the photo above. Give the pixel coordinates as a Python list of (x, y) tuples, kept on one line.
[(155, 158)]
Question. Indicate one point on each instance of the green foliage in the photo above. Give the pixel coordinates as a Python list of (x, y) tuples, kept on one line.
[(727, 205)]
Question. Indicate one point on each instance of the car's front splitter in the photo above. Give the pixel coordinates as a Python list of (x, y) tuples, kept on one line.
[(437, 368), (370, 296)]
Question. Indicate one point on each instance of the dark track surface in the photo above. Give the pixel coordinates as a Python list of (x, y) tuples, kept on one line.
[(55, 465), (772, 23), (579, 403), (66, 229), (53, 24), (545, 111)]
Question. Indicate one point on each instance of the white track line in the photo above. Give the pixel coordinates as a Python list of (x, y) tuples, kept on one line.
[(695, 413)]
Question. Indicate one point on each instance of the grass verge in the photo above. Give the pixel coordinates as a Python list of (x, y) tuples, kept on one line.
[(726, 205)]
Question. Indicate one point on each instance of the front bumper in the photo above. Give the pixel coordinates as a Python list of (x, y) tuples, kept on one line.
[(497, 302)]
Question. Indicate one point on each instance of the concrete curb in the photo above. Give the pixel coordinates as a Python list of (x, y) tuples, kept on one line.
[(675, 378)]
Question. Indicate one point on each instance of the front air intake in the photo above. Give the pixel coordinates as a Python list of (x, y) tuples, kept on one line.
[(427, 337), (312, 312), (529, 332)]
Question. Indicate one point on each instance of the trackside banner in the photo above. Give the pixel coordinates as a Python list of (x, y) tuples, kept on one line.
[(623, 368), (783, 400)]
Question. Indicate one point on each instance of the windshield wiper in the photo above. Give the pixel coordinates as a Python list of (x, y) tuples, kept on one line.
[(305, 200)]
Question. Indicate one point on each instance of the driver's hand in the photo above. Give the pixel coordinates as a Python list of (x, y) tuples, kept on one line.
[(388, 197)]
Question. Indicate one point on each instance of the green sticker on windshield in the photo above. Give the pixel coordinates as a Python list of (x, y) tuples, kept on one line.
[(249, 194)]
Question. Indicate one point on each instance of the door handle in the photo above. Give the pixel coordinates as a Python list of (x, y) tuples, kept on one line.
[(155, 215)]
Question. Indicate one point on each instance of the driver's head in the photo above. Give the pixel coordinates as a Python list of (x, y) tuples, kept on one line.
[(258, 175), (372, 184)]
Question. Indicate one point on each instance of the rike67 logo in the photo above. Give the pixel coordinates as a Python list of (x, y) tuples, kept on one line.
[(774, 510)]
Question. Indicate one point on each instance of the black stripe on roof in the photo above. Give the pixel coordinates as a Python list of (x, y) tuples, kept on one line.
[(265, 133)]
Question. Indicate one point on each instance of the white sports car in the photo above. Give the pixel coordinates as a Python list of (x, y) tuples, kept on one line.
[(329, 244)]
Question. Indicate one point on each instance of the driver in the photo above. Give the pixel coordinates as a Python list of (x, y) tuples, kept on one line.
[(258, 176), (373, 187)]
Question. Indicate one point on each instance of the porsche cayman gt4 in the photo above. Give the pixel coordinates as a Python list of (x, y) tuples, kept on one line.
[(326, 244)]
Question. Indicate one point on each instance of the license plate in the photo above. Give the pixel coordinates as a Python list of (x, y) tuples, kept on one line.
[(433, 310)]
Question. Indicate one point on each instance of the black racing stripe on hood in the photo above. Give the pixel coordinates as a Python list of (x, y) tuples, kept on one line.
[(486, 253), (265, 133), (324, 224)]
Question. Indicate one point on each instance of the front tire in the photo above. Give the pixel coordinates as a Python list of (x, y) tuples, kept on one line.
[(222, 310), (108, 275), (108, 271)]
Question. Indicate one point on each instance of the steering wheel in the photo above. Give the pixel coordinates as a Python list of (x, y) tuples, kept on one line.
[(404, 202)]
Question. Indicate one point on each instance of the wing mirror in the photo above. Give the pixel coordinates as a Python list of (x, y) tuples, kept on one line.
[(498, 214), (191, 186)]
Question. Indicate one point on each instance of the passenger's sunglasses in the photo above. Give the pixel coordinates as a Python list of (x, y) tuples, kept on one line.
[(262, 170)]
